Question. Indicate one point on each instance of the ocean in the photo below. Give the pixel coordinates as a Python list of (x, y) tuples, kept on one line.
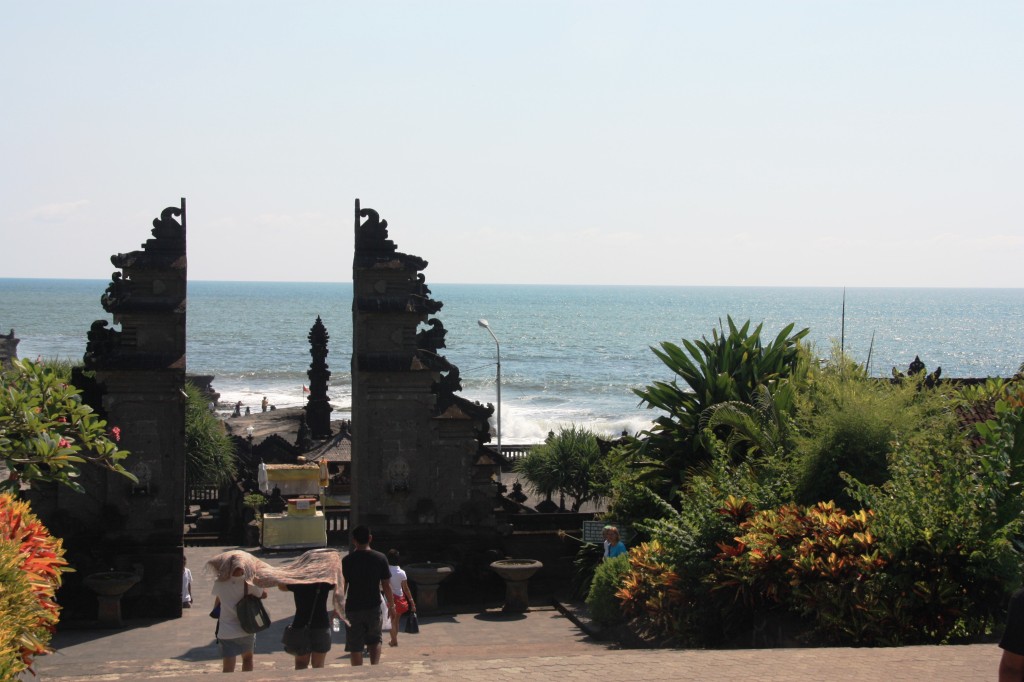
[(569, 354)]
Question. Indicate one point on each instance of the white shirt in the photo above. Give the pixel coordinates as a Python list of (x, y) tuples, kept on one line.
[(186, 583), (230, 592), (397, 576)]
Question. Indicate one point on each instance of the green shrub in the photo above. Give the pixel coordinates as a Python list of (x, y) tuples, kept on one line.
[(605, 607), (209, 452), (31, 564)]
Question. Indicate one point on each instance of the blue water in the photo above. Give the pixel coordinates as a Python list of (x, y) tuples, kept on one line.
[(569, 354)]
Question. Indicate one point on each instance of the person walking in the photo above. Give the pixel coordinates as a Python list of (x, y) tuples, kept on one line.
[(308, 638), (403, 595), (367, 575), (233, 581)]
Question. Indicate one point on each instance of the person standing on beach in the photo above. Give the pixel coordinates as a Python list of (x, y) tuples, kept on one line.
[(264, 403), (367, 575)]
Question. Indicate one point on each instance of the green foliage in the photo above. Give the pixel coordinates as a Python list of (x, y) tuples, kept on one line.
[(604, 605), (31, 565), (951, 519), (728, 367), (46, 430), (848, 423), (209, 452), (816, 561), (569, 462)]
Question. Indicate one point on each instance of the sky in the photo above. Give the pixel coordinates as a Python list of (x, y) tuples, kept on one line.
[(749, 143)]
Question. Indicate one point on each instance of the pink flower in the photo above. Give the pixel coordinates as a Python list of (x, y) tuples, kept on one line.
[(116, 432), (63, 443), (62, 420)]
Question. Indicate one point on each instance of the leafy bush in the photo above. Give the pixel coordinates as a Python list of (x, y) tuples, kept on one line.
[(650, 593), (209, 452), (847, 423), (951, 519), (46, 430), (31, 564), (605, 608), (815, 561)]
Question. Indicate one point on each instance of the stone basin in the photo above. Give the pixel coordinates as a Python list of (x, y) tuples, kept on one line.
[(516, 573), (428, 572), (516, 569), (427, 576), (111, 583)]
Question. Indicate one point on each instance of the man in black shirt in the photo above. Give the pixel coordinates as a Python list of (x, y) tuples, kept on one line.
[(367, 574)]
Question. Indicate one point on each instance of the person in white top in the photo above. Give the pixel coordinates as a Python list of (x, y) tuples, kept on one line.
[(233, 640), (403, 595), (186, 584)]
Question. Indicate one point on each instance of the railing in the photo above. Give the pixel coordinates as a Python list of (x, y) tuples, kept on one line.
[(512, 453), (203, 495), (337, 524)]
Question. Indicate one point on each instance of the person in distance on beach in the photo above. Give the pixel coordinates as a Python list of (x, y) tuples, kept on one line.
[(367, 574)]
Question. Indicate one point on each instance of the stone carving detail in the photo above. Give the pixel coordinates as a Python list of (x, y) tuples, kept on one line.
[(8, 349)]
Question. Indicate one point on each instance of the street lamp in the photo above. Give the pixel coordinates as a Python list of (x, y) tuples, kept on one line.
[(483, 323)]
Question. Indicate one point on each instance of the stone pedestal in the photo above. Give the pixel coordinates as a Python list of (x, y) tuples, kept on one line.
[(516, 573), (427, 577), (109, 588)]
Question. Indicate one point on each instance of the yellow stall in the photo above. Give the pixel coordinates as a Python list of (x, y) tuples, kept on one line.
[(302, 523)]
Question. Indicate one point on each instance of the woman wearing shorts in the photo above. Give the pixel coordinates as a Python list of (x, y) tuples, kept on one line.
[(231, 584)]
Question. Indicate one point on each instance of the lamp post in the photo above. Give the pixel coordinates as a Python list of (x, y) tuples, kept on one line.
[(483, 323)]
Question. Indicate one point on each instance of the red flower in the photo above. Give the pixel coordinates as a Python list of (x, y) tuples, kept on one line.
[(62, 420), (116, 432), (63, 443)]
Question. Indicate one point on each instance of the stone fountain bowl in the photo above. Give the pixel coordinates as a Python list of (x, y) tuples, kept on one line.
[(111, 583), (428, 572), (516, 570)]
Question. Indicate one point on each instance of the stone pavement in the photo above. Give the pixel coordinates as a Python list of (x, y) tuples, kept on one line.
[(485, 646)]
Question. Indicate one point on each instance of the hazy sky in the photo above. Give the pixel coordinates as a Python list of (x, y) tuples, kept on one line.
[(825, 142)]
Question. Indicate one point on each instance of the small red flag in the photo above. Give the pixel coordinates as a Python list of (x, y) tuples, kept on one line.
[(304, 389)]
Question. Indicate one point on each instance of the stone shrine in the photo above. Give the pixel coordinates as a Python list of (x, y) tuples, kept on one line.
[(135, 379), (318, 408), (418, 460)]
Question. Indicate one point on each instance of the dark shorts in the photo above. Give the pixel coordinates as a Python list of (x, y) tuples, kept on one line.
[(302, 641), (363, 629)]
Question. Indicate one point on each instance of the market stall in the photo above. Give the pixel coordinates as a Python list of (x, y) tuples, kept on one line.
[(299, 524)]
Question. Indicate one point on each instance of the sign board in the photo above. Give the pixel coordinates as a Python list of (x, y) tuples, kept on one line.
[(593, 531)]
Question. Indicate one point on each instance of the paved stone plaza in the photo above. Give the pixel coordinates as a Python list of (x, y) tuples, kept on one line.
[(484, 646)]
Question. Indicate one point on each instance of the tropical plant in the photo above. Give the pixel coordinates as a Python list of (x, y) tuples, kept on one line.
[(728, 367), (951, 519), (601, 600), (651, 594), (209, 452), (569, 462), (848, 423), (46, 430), (31, 565)]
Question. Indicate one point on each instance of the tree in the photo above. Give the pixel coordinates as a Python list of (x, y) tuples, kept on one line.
[(46, 430), (209, 452), (570, 462)]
